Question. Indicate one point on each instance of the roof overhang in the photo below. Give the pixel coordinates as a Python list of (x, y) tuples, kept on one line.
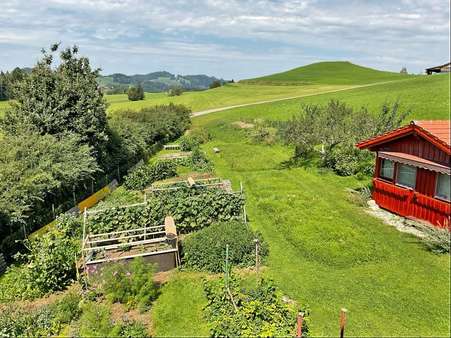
[(411, 128), (414, 161)]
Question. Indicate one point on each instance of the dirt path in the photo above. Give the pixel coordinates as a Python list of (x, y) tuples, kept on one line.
[(214, 110)]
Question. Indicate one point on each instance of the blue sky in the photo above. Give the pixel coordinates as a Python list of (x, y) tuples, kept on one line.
[(228, 38)]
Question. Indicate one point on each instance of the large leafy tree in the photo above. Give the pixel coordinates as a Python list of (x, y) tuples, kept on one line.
[(60, 99), (34, 167)]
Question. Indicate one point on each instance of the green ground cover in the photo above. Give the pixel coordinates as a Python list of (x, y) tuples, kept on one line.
[(179, 309), (338, 72), (3, 106), (230, 94), (326, 252)]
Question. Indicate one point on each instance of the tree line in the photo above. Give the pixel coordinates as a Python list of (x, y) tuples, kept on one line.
[(56, 138)]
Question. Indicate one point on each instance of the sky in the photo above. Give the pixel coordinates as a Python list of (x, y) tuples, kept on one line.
[(232, 39)]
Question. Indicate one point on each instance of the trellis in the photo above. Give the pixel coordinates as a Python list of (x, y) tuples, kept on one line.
[(210, 182), (153, 240)]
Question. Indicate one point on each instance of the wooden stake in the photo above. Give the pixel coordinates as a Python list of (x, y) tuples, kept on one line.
[(343, 313), (300, 321), (256, 256)]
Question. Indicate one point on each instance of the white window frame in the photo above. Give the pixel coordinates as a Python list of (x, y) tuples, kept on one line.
[(380, 170), (436, 188), (397, 175)]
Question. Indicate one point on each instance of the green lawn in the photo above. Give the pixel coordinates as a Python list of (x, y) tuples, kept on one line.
[(337, 72), (230, 94), (178, 310)]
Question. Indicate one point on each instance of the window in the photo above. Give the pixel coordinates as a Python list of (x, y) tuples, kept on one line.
[(387, 169), (407, 176), (442, 189)]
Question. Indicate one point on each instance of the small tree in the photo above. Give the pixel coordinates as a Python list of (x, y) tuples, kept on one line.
[(175, 91), (61, 99), (135, 93), (215, 84)]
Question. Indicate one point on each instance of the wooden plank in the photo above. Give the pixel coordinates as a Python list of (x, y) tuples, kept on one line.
[(126, 237), (116, 246), (124, 231), (152, 253)]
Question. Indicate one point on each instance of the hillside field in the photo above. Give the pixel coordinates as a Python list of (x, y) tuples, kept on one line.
[(326, 252), (338, 72)]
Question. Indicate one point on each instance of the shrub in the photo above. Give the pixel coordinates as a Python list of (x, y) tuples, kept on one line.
[(200, 134), (215, 84), (95, 321), (437, 240), (175, 91), (131, 284), (192, 208), (259, 311), (205, 249), (48, 266), (135, 93), (145, 174), (199, 162), (47, 320), (188, 142)]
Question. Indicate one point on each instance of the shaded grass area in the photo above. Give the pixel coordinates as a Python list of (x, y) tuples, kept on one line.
[(179, 309), (230, 94), (326, 252), (335, 72)]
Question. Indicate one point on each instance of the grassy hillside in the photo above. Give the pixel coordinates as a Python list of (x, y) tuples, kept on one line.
[(339, 72), (427, 97), (230, 94), (324, 250)]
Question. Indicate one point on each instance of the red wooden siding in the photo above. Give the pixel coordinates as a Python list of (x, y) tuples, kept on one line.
[(409, 203), (415, 145)]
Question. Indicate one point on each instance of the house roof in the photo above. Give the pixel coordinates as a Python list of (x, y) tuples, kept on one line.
[(437, 132), (438, 67), (414, 161)]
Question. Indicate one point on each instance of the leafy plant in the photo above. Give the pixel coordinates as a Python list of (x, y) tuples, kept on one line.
[(205, 249), (135, 93), (257, 312), (145, 174), (131, 284), (192, 209), (437, 240), (49, 265)]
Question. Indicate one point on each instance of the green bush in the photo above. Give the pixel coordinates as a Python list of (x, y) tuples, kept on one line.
[(48, 266), (46, 320), (188, 143), (192, 209), (175, 91), (205, 249), (260, 311), (199, 162), (145, 174), (135, 93), (96, 322), (130, 284)]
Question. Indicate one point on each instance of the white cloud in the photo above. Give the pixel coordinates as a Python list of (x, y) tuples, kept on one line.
[(386, 34)]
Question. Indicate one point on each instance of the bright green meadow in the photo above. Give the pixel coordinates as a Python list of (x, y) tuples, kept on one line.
[(325, 251)]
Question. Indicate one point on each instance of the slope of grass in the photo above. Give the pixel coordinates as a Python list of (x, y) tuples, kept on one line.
[(179, 309), (338, 72), (427, 97), (3, 106), (227, 95), (328, 253)]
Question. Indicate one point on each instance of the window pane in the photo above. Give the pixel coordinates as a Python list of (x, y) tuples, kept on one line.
[(443, 186), (387, 169), (407, 175)]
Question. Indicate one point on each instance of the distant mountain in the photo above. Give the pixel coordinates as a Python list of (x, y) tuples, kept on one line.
[(155, 82), (335, 72)]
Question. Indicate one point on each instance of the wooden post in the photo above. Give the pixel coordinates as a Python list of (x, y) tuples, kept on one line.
[(118, 174), (227, 267), (73, 195), (300, 321), (343, 312), (53, 210), (256, 256)]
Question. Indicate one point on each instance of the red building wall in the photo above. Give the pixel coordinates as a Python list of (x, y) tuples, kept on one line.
[(419, 203)]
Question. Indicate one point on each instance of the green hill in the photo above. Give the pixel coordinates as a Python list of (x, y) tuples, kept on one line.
[(338, 72)]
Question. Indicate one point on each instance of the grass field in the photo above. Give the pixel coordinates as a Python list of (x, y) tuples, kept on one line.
[(326, 252), (230, 94), (339, 72)]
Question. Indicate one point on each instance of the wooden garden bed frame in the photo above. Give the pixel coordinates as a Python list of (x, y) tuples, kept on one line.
[(141, 242), (175, 156), (171, 147), (210, 182)]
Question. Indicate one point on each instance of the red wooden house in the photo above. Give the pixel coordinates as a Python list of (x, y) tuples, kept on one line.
[(412, 174)]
